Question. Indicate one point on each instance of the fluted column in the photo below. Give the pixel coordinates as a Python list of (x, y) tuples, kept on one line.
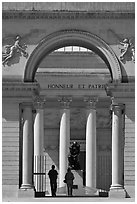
[(27, 151), (117, 149), (91, 143), (64, 141)]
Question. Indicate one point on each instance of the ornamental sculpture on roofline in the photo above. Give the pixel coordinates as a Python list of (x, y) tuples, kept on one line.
[(12, 50), (127, 51)]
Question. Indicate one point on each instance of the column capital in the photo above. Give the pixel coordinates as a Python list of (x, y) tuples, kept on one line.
[(65, 101), (91, 101), (118, 108), (39, 102)]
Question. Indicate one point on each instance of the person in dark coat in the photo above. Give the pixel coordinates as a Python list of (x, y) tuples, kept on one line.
[(69, 177), (53, 180)]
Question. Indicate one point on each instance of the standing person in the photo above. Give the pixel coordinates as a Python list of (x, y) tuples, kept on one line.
[(69, 177), (53, 180)]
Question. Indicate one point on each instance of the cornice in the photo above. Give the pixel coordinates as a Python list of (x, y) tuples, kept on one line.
[(14, 14), (66, 74), (19, 89), (123, 90)]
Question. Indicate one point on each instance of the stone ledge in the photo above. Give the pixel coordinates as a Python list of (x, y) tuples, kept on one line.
[(14, 14)]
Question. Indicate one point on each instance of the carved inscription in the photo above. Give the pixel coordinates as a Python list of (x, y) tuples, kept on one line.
[(76, 86)]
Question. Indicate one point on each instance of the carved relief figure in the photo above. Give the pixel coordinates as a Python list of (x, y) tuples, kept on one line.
[(133, 53), (128, 49), (11, 50)]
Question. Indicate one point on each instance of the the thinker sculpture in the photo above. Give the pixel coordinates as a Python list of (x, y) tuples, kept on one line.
[(73, 157)]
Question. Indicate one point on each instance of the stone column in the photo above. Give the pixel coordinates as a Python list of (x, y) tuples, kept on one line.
[(91, 143), (64, 142), (117, 189), (39, 128), (38, 142), (27, 152)]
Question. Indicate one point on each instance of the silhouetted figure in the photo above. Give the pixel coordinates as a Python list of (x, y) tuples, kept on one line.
[(73, 157), (53, 180), (69, 177)]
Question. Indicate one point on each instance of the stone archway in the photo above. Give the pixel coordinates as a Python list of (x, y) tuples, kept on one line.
[(72, 38)]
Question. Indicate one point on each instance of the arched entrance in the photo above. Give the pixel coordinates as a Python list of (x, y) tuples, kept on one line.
[(77, 38), (97, 45)]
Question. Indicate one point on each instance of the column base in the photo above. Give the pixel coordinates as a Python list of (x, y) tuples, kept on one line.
[(117, 192), (26, 191)]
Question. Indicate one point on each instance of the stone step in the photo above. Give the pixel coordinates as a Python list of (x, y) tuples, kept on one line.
[(82, 190)]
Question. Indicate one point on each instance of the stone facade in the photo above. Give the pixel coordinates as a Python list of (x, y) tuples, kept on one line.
[(48, 96)]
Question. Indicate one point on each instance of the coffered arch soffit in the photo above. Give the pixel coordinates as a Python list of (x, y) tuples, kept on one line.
[(72, 38)]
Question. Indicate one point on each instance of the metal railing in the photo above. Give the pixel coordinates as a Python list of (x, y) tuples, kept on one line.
[(39, 174)]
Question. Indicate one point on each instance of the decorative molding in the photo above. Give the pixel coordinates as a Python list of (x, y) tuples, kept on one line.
[(69, 73), (123, 90), (65, 101), (115, 106), (14, 14), (19, 89), (39, 102), (118, 109), (91, 101)]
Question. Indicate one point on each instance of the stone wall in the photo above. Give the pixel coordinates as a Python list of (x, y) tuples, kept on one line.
[(10, 149), (32, 31), (129, 151)]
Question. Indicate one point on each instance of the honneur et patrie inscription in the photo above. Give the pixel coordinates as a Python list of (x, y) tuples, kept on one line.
[(76, 86)]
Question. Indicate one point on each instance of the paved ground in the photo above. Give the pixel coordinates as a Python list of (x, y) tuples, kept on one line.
[(67, 199)]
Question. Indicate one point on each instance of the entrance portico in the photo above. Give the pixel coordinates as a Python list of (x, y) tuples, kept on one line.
[(65, 104), (98, 62), (84, 90)]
